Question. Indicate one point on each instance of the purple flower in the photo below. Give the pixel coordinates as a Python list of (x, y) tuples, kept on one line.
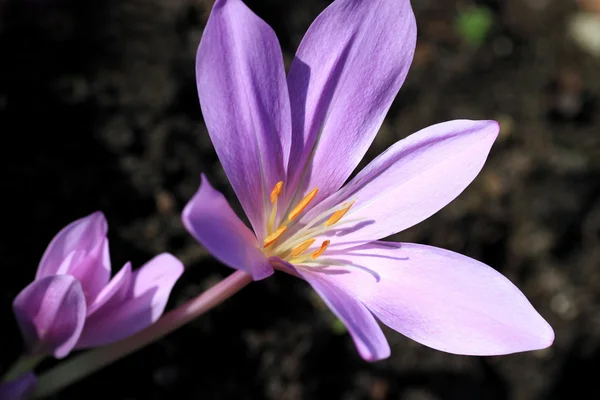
[(288, 144), (18, 389), (72, 304)]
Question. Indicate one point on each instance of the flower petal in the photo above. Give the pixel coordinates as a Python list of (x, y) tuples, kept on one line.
[(149, 290), (80, 249), (441, 299), (411, 181), (51, 313), (214, 224), (21, 388), (346, 73), (244, 99), (364, 329), (114, 293)]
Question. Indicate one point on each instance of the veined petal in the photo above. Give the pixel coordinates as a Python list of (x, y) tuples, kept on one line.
[(411, 181), (346, 73), (80, 249), (364, 329), (245, 103), (441, 299), (210, 219), (51, 313), (20, 388), (126, 313)]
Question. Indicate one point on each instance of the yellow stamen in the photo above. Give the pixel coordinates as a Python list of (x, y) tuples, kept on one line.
[(303, 204), (276, 192), (321, 250), (336, 216), (274, 236), (302, 248)]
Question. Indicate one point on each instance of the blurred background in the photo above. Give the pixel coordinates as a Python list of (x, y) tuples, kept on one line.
[(98, 111)]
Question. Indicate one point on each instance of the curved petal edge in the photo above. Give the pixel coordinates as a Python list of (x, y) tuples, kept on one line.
[(210, 219), (441, 299), (362, 326)]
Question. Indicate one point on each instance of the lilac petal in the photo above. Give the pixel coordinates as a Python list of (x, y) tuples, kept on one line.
[(411, 181), (145, 301), (244, 100), (346, 73), (51, 313), (441, 299), (214, 224), (80, 249), (21, 388), (365, 331), (114, 293)]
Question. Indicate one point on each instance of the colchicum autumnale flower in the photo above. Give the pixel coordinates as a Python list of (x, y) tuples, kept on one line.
[(72, 304), (288, 144)]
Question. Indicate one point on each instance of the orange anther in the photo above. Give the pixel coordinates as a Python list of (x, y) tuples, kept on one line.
[(303, 204), (302, 247), (336, 216), (276, 191), (274, 236), (321, 250)]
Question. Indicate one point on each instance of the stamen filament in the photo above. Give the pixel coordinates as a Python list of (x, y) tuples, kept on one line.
[(274, 236), (298, 238), (302, 248), (315, 220), (304, 233), (272, 216), (336, 216), (324, 246), (303, 204)]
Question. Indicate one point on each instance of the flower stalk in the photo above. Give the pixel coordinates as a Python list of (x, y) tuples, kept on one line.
[(24, 364)]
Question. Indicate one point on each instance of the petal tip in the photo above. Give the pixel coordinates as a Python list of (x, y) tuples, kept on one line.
[(173, 263), (540, 339), (496, 124), (547, 337), (370, 356), (159, 275), (494, 127), (487, 127), (98, 219), (191, 204)]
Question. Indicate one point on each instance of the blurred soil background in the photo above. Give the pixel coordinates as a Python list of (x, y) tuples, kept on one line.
[(98, 111)]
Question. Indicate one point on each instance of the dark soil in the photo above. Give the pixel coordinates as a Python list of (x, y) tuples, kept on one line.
[(98, 111)]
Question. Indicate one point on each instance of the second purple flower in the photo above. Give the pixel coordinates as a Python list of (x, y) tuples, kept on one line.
[(73, 303)]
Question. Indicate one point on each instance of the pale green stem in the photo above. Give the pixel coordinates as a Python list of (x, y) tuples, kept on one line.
[(23, 365), (81, 366)]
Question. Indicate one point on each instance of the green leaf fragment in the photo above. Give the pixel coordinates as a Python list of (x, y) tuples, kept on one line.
[(473, 24)]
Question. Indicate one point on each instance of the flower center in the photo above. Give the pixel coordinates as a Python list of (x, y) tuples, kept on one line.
[(295, 248)]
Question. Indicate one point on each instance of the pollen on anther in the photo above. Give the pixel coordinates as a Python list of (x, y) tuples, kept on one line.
[(276, 192), (269, 240), (303, 204), (302, 247), (336, 216), (321, 250)]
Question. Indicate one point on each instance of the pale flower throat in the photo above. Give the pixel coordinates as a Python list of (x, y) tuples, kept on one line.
[(294, 249)]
